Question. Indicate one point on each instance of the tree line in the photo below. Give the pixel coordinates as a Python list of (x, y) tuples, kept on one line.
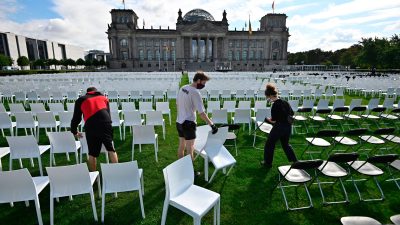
[(381, 53), (47, 63)]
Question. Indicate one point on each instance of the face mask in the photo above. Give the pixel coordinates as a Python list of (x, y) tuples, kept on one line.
[(200, 86)]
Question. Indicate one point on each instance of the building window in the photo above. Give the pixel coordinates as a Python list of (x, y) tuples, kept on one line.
[(156, 43), (158, 55), (237, 55), (274, 55), (141, 55), (260, 44), (230, 44), (173, 43), (259, 53), (253, 43), (149, 43), (149, 65), (275, 45), (245, 44), (124, 55), (165, 43), (123, 42), (251, 55), (230, 55), (166, 54), (237, 43), (149, 55), (173, 55), (244, 56)]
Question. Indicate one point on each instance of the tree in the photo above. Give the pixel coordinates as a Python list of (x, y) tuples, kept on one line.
[(80, 62), (88, 62), (5, 61), (95, 63), (23, 61), (39, 63)]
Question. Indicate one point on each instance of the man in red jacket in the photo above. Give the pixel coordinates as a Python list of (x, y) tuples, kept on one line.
[(96, 114)]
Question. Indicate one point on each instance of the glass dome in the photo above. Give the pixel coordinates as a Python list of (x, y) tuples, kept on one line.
[(197, 15)]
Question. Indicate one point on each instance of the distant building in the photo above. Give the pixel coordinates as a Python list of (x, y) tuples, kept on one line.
[(15, 46), (198, 42), (98, 54)]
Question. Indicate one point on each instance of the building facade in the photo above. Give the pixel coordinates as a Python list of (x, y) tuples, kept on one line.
[(98, 55), (15, 46), (198, 42)]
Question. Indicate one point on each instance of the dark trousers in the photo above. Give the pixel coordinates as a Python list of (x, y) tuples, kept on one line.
[(280, 132)]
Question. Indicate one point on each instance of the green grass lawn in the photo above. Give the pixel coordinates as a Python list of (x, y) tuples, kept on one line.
[(248, 194)]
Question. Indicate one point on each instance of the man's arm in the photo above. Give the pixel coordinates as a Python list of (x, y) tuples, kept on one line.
[(77, 117), (204, 117)]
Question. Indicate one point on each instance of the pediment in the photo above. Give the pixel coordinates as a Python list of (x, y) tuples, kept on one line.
[(203, 27)]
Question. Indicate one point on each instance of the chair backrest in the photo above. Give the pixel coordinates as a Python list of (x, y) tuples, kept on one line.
[(2, 108), (119, 177), (307, 164), (46, 119), (24, 119), (262, 114), (323, 104), (328, 133), (16, 185), (242, 115), (70, 106), (211, 105), (220, 116), (65, 118), (382, 158), (355, 103), (339, 102), (115, 117), (215, 141), (145, 106), (154, 117), (113, 106), (229, 105), (356, 132), (162, 106), (383, 131), (143, 134), (69, 180), (294, 104), (62, 142), (5, 120), (23, 147), (56, 107), (343, 157), (373, 103), (178, 176), (37, 107), (132, 118), (308, 103), (128, 106), (244, 104), (388, 103), (16, 108), (260, 105)]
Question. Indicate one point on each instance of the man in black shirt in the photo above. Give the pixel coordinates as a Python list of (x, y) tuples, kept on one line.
[(281, 113)]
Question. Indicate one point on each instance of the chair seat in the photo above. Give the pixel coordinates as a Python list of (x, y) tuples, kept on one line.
[(294, 175), (332, 169), (367, 169), (352, 116), (317, 118), (336, 117), (265, 127), (204, 199), (93, 176), (345, 140), (392, 138), (300, 118), (318, 142), (396, 164), (43, 148), (4, 151), (370, 117), (231, 136), (358, 220), (372, 139), (395, 219), (388, 116), (40, 182), (223, 159)]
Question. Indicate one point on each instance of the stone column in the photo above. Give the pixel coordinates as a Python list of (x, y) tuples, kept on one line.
[(215, 54), (191, 49), (198, 49), (115, 48), (206, 46)]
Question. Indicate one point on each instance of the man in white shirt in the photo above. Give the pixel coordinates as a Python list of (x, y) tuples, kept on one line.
[(188, 102)]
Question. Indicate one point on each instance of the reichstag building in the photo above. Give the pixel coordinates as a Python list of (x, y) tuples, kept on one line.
[(198, 42)]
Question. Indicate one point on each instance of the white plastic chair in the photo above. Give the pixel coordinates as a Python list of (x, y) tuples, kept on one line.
[(217, 153), (211, 105), (359, 220), (16, 108), (117, 122), (71, 180), (26, 147), (155, 118), (62, 142), (47, 120), (3, 152), (220, 116), (19, 185), (65, 119), (6, 123), (25, 120), (242, 116), (85, 149), (145, 106), (144, 135), (181, 193), (121, 177), (55, 108), (164, 108), (37, 108), (128, 107), (132, 118)]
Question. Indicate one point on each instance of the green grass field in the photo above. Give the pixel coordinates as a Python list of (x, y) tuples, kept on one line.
[(248, 194)]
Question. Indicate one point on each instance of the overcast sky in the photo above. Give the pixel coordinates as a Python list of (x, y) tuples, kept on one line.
[(329, 25)]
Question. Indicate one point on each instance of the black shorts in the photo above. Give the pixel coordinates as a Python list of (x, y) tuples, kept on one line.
[(97, 137), (187, 130)]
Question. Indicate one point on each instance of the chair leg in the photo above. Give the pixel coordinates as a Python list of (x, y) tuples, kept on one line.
[(38, 213), (165, 211), (133, 150), (93, 205), (40, 166), (103, 205), (141, 202), (212, 176), (51, 210)]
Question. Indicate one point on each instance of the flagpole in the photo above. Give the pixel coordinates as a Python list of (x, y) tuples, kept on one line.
[(123, 2)]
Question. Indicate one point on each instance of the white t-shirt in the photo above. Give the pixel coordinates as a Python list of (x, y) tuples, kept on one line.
[(188, 102)]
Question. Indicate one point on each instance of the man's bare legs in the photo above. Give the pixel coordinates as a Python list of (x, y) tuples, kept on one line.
[(188, 144), (113, 156), (92, 160)]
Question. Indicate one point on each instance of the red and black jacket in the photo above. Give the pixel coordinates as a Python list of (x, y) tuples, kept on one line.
[(95, 109)]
